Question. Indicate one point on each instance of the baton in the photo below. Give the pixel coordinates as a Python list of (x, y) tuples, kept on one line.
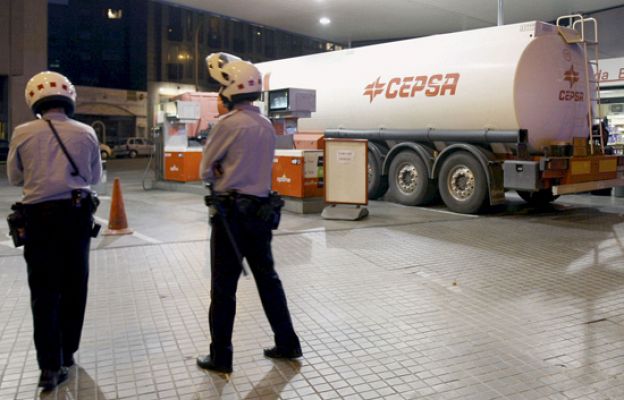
[(228, 231)]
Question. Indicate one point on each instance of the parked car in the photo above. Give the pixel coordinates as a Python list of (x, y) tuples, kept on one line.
[(134, 146), (105, 151), (4, 149)]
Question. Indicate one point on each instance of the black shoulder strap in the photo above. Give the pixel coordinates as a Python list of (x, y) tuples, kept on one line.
[(76, 172)]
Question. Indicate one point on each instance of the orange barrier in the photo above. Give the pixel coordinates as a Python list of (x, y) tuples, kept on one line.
[(117, 221)]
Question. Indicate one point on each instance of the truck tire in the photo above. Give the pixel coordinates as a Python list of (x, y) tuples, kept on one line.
[(409, 180), (377, 184), (537, 199), (133, 154), (463, 184)]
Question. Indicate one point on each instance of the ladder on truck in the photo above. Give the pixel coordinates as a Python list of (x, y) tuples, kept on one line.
[(584, 31)]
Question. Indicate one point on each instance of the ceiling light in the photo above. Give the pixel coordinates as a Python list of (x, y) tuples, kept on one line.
[(114, 14), (324, 21)]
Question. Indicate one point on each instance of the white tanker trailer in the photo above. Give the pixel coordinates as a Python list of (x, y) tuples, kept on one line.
[(464, 115)]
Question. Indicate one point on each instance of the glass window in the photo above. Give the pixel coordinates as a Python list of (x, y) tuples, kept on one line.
[(203, 28), (214, 32), (227, 35), (111, 55), (238, 36), (189, 26), (114, 13), (269, 42), (257, 39), (174, 28), (174, 71)]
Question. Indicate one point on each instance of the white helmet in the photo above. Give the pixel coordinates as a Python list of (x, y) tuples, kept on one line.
[(235, 75), (47, 87)]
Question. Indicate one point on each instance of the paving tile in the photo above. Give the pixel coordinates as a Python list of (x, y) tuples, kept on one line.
[(502, 306)]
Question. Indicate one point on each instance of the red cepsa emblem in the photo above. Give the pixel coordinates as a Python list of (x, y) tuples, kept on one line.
[(410, 86), (572, 77)]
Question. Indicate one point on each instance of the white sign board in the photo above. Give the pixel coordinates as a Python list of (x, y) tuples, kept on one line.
[(346, 171), (611, 72)]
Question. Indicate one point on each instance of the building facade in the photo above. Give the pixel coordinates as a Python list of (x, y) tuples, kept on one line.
[(99, 43), (141, 45)]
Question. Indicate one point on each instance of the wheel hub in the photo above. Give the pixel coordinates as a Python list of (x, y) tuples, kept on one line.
[(461, 183), (407, 178)]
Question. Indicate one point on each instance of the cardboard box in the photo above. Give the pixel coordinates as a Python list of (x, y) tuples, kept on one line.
[(580, 147), (309, 141)]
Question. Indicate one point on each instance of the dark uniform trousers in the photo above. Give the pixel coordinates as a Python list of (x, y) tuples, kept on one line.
[(253, 237), (57, 256)]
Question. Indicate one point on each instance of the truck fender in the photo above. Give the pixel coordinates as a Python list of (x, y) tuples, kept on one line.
[(492, 167), (378, 149), (424, 152)]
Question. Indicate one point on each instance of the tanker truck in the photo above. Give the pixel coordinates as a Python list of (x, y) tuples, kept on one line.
[(465, 116)]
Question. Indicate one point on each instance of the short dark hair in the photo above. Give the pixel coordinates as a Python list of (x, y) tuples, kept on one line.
[(50, 102), (238, 98)]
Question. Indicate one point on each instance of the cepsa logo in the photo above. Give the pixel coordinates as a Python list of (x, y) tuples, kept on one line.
[(571, 95), (409, 86)]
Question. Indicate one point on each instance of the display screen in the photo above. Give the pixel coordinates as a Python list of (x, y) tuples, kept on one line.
[(278, 100)]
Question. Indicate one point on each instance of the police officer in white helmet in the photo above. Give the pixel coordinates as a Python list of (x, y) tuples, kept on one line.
[(237, 161), (55, 159)]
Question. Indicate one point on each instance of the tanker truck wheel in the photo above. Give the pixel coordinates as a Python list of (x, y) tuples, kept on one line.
[(377, 184), (409, 180), (463, 184), (539, 198)]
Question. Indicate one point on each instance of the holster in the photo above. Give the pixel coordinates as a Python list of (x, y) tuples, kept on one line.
[(17, 224), (271, 211), (81, 198)]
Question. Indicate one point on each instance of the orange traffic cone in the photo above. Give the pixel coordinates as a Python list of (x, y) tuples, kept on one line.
[(117, 221)]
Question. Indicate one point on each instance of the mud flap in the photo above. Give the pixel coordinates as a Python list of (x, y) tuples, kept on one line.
[(496, 183)]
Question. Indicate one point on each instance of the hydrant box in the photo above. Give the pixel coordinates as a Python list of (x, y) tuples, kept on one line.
[(182, 166), (298, 173)]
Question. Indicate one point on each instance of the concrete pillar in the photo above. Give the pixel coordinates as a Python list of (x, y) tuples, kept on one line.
[(24, 41)]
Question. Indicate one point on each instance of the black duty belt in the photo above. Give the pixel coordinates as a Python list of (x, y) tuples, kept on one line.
[(52, 205)]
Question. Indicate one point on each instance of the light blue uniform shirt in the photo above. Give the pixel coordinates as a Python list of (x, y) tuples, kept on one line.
[(241, 145), (37, 161)]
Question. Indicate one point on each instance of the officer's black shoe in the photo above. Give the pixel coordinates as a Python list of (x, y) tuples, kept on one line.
[(206, 362), (50, 379), (280, 352), (68, 362)]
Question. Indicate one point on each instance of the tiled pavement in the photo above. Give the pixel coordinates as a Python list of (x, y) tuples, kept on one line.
[(516, 304)]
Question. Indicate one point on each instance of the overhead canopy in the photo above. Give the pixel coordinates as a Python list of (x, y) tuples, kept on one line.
[(363, 20)]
